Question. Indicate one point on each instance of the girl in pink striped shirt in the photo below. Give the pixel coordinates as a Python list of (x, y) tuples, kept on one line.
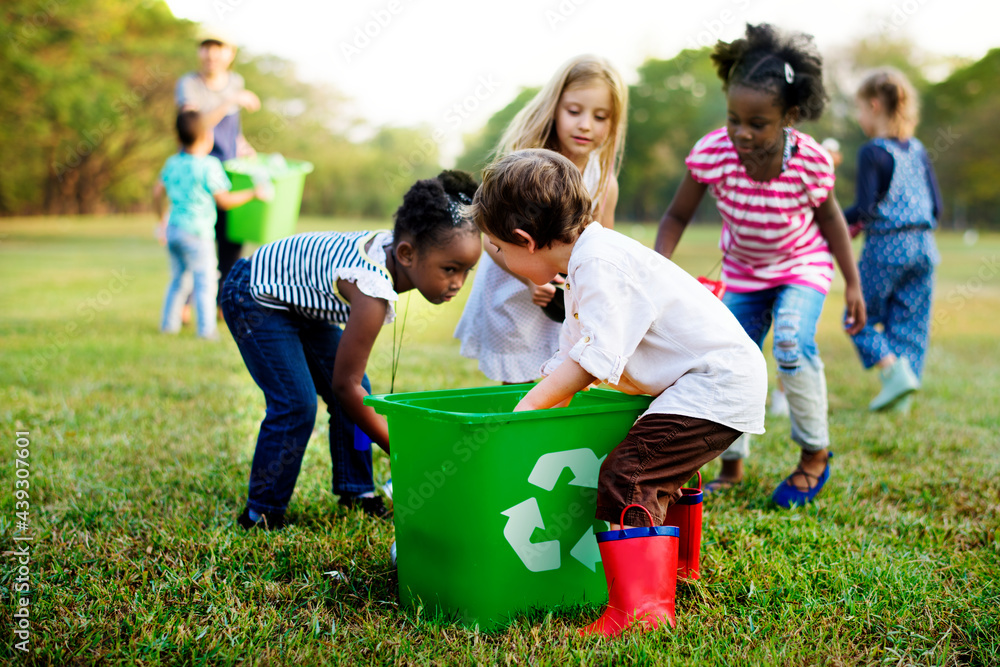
[(781, 230)]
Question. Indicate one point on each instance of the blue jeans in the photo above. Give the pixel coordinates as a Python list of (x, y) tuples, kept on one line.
[(194, 254), (794, 311), (291, 359)]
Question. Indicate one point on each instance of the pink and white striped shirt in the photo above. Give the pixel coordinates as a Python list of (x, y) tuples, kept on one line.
[(769, 234)]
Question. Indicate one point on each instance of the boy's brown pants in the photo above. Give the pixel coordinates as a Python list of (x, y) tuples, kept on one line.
[(650, 465)]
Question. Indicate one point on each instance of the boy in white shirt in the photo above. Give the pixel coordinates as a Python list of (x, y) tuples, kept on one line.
[(634, 320)]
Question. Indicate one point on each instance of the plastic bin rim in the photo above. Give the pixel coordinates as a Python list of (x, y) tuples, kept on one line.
[(300, 166), (392, 403)]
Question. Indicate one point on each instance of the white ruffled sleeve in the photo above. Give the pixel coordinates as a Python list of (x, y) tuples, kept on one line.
[(377, 284)]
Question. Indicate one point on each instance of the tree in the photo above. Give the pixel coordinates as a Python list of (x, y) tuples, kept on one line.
[(959, 131), (86, 89), (481, 145), (674, 104)]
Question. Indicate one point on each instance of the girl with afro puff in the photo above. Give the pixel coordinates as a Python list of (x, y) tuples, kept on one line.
[(781, 230), (305, 312)]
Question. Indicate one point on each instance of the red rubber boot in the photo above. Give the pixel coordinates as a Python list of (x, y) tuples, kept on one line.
[(640, 565), (686, 515)]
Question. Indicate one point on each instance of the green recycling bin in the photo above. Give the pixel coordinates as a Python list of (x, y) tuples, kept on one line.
[(265, 221), (494, 511)]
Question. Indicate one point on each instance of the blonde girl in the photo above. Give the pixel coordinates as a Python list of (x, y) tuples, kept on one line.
[(897, 206), (581, 114)]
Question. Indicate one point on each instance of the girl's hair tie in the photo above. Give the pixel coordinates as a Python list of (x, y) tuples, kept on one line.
[(456, 205), (789, 73)]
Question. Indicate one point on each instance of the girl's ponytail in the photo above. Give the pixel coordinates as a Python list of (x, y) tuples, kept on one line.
[(896, 95)]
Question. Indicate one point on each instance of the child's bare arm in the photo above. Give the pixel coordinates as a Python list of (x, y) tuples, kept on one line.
[(556, 389), (159, 206), (159, 199), (833, 226), (243, 98), (678, 215), (353, 351), (226, 199)]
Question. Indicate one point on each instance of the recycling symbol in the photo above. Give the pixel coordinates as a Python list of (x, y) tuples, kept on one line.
[(526, 516)]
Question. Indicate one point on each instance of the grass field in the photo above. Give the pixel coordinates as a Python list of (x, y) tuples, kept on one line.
[(140, 446)]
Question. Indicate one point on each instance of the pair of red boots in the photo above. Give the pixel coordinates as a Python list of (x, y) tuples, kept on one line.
[(641, 566)]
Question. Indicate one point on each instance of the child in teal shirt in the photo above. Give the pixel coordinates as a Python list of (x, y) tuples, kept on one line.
[(195, 183)]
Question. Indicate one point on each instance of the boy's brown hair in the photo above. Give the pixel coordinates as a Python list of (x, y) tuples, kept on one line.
[(536, 190), (190, 126)]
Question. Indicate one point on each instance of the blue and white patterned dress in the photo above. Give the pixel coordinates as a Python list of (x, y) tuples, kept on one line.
[(897, 263)]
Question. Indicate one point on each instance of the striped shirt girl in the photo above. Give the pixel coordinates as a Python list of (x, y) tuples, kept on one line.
[(300, 273), (769, 236)]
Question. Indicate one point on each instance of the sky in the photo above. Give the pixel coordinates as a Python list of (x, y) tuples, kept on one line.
[(450, 64)]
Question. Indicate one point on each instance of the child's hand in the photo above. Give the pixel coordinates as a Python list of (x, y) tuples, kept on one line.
[(243, 148), (248, 100), (161, 231), (541, 295), (854, 315), (264, 192)]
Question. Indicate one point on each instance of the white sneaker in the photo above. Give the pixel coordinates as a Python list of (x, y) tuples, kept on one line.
[(779, 404), (387, 489)]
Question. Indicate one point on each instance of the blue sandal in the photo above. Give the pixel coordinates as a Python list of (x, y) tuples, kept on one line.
[(787, 495)]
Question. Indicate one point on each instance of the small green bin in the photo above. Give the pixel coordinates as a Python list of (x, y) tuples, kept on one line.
[(265, 221), (494, 511)]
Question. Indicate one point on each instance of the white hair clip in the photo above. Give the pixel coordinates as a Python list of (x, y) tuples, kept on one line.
[(789, 73)]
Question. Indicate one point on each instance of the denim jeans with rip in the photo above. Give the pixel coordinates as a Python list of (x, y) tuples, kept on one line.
[(793, 310)]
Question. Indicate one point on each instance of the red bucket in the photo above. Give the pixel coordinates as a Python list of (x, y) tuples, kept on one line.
[(716, 287), (686, 515)]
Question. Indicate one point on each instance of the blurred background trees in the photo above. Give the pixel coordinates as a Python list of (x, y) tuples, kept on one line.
[(86, 119)]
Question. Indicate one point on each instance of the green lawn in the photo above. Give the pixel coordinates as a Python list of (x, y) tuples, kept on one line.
[(140, 445)]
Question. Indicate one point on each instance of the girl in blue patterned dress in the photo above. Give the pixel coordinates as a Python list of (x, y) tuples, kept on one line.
[(897, 205)]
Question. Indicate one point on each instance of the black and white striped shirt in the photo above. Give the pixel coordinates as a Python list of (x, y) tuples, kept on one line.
[(300, 273)]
